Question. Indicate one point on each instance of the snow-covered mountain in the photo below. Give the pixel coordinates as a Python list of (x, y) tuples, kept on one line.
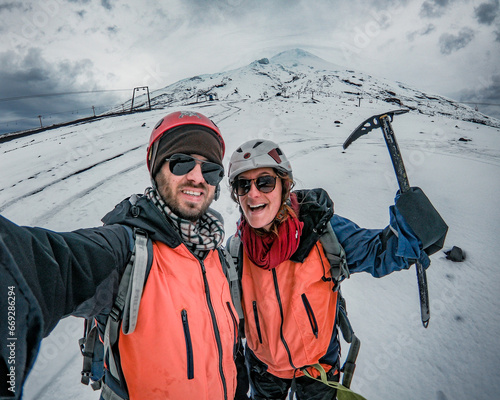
[(297, 74), (69, 178)]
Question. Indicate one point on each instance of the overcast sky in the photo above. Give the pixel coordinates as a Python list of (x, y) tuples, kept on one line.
[(446, 47)]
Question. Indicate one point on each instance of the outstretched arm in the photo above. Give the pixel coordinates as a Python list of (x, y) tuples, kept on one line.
[(45, 276)]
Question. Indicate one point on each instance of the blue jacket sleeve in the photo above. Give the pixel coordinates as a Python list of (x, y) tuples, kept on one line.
[(378, 251)]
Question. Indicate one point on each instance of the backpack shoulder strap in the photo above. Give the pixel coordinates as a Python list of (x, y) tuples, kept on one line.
[(349, 336), (233, 271), (125, 311), (126, 307), (340, 271), (335, 254), (128, 298), (140, 271), (233, 245), (89, 344)]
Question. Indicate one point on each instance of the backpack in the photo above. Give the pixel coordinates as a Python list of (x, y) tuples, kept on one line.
[(336, 256), (101, 333)]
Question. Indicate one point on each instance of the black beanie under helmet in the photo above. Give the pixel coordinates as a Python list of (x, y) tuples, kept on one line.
[(188, 139)]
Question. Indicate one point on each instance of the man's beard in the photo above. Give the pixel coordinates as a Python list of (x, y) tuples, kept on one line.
[(185, 210)]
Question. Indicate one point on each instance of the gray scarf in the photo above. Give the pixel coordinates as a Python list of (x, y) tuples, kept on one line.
[(201, 236)]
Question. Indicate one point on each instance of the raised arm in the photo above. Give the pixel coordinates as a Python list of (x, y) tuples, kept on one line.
[(416, 230)]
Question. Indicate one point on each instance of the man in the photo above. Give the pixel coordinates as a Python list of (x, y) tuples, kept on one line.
[(186, 336)]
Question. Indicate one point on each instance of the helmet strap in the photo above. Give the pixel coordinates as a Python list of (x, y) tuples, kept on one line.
[(152, 157), (217, 192), (282, 212)]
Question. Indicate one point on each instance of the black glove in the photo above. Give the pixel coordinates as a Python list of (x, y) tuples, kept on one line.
[(423, 219)]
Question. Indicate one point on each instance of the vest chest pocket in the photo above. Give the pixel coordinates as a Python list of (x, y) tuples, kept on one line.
[(257, 322), (310, 315), (235, 328), (189, 345)]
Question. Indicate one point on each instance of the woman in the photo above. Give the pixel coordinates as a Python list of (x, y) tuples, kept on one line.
[(289, 299)]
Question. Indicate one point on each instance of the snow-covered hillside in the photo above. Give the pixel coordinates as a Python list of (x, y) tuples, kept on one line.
[(70, 177), (301, 75)]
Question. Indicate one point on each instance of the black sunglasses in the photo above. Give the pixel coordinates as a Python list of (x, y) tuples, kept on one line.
[(264, 184), (181, 164)]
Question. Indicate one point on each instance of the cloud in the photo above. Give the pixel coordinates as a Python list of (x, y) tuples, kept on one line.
[(6, 12), (421, 32), (492, 92), (106, 4), (487, 91), (112, 29), (9, 6), (434, 8), (211, 13), (157, 43), (202, 7), (486, 95), (34, 80), (486, 13), (450, 43)]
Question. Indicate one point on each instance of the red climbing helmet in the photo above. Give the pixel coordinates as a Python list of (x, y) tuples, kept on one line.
[(174, 120)]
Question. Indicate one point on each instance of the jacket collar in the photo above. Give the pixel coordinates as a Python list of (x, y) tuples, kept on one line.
[(139, 212)]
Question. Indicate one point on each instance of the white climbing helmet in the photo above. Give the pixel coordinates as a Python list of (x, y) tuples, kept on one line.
[(258, 153)]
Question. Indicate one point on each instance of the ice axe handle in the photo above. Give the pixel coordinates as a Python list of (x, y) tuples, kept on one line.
[(404, 186), (423, 293)]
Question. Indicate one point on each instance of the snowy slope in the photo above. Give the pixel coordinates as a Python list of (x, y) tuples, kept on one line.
[(69, 178), (301, 75)]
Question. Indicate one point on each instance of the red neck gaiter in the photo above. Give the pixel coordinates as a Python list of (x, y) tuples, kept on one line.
[(268, 251)]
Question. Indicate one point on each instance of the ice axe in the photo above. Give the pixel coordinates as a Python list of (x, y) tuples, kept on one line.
[(384, 122)]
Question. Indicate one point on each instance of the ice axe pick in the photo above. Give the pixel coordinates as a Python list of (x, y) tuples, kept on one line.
[(383, 121)]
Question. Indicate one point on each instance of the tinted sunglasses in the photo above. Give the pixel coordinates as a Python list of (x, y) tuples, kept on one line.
[(181, 164), (264, 184)]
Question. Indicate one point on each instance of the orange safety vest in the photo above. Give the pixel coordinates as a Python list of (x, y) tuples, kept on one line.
[(186, 333), (289, 312)]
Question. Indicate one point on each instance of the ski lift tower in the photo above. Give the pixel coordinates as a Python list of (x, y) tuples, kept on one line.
[(146, 88)]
